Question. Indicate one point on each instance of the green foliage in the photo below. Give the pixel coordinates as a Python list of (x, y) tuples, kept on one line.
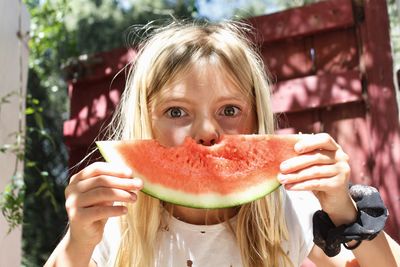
[(104, 24), (11, 199), (45, 169)]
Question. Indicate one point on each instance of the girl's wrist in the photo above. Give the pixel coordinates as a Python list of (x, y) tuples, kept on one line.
[(78, 252), (345, 216), (345, 213)]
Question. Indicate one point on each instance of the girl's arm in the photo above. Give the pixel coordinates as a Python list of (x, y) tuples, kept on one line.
[(322, 167), (381, 251), (66, 254)]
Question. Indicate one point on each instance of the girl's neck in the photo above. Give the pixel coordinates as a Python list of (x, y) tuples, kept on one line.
[(202, 216)]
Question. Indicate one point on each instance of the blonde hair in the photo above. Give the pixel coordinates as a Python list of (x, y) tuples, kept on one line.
[(168, 52)]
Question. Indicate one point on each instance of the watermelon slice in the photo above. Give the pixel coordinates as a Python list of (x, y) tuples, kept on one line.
[(237, 170)]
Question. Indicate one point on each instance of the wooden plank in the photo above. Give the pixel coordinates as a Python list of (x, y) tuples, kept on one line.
[(307, 20), (336, 51), (86, 124), (306, 121), (82, 156), (83, 131), (15, 25), (91, 108), (84, 96), (288, 59), (316, 91), (89, 68), (327, 52), (376, 63), (348, 124)]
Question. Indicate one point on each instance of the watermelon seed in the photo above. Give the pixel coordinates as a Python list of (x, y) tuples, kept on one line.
[(203, 232)]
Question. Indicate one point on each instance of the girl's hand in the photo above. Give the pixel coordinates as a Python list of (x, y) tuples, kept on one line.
[(321, 167), (90, 199)]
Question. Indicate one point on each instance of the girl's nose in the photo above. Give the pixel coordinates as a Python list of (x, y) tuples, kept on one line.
[(207, 141), (207, 133)]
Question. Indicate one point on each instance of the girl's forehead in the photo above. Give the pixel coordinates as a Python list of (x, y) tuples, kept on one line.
[(202, 77), (204, 70)]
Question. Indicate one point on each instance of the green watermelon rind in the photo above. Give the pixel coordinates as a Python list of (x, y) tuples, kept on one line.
[(201, 201), (211, 200)]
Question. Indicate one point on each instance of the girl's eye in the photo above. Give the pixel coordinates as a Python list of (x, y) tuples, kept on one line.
[(230, 111), (175, 112)]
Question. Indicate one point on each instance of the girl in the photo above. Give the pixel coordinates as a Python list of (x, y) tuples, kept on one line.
[(201, 81)]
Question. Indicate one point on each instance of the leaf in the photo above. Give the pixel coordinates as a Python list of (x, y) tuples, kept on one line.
[(29, 111), (4, 148), (30, 164), (39, 120), (42, 188), (11, 202)]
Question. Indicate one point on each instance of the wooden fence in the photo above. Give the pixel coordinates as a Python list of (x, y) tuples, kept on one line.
[(332, 67)]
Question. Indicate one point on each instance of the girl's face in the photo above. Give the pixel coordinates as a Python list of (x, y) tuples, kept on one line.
[(202, 104)]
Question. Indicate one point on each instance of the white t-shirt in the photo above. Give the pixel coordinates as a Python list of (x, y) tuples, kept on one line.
[(184, 244)]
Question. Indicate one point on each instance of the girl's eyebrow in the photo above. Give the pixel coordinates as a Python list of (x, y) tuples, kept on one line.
[(239, 97), (161, 100)]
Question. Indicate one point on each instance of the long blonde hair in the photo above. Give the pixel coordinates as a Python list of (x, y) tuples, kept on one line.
[(169, 51)]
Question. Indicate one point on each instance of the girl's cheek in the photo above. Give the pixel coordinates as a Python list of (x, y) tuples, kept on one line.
[(177, 136), (171, 134), (239, 125)]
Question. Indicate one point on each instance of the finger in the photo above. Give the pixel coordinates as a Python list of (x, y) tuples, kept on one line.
[(322, 183), (314, 142), (318, 184), (306, 160), (319, 171), (134, 184), (99, 195), (102, 168), (97, 213)]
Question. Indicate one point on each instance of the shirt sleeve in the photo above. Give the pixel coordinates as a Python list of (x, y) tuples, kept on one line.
[(105, 252), (300, 207)]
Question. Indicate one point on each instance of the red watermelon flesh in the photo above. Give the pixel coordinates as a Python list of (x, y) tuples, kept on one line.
[(237, 170)]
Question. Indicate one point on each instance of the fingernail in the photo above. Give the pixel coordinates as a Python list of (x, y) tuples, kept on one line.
[(128, 171), (288, 186), (133, 196), (281, 178), (124, 170), (298, 148), (137, 182), (284, 166)]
